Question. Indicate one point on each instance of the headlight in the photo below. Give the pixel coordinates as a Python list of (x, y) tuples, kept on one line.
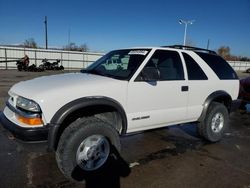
[(27, 104)]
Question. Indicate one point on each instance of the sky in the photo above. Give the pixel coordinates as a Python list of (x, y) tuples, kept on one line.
[(105, 25)]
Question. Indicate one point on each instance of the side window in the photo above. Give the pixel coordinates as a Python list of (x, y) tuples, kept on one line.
[(168, 64), (193, 69)]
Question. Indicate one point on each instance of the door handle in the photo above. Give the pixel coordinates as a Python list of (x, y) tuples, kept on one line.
[(184, 88)]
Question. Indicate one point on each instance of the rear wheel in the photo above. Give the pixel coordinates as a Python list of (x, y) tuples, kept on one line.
[(86, 144), (215, 122), (19, 67), (61, 68)]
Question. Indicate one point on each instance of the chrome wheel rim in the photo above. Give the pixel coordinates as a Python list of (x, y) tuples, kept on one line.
[(93, 152), (217, 122)]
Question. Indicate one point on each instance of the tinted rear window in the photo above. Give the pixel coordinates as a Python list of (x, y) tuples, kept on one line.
[(221, 68)]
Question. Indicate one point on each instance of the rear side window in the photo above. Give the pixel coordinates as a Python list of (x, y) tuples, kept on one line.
[(193, 69), (221, 68)]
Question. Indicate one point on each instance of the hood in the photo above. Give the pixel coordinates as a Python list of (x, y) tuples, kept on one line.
[(45, 84), (53, 92)]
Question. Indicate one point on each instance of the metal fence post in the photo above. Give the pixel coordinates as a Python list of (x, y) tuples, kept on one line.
[(35, 58), (83, 64), (6, 64), (61, 58)]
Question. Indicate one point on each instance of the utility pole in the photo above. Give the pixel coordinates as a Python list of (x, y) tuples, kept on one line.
[(46, 33)]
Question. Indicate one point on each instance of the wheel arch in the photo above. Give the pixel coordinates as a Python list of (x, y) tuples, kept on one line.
[(217, 96), (102, 107)]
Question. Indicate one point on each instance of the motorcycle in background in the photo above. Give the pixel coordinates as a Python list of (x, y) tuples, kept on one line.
[(23, 65), (46, 65)]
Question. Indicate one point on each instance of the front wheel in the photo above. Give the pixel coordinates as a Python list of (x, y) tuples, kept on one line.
[(19, 67), (215, 122), (86, 144), (93, 152)]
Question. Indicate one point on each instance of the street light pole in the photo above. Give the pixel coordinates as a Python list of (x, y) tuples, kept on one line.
[(185, 35), (186, 22)]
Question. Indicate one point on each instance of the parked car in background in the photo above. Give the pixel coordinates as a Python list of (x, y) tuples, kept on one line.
[(244, 92), (248, 70)]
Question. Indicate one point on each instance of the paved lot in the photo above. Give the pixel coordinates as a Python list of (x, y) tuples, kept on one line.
[(169, 157)]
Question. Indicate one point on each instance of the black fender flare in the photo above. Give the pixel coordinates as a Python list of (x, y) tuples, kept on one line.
[(215, 96), (72, 106)]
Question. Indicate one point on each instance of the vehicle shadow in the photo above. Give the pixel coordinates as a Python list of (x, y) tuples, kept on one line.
[(107, 176)]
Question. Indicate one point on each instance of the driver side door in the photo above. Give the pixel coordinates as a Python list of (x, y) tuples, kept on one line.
[(162, 100)]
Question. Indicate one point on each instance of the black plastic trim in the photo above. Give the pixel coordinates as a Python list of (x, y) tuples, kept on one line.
[(71, 107), (212, 97), (184, 88), (67, 109), (25, 134), (52, 136)]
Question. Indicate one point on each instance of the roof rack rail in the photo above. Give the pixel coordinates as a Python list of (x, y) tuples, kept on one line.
[(190, 48)]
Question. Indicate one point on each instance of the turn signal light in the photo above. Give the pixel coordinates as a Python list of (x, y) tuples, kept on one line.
[(30, 121)]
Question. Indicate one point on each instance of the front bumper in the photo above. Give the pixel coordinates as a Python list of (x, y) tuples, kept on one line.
[(25, 134)]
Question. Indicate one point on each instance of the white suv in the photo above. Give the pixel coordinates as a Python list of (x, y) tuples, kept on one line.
[(83, 114)]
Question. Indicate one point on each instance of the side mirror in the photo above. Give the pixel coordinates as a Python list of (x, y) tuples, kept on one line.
[(150, 74)]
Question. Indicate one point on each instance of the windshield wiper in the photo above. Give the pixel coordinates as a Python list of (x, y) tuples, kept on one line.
[(93, 71), (96, 72)]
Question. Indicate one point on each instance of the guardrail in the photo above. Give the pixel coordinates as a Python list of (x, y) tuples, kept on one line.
[(69, 59)]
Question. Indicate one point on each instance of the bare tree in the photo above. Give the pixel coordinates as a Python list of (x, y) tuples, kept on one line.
[(73, 47), (244, 58), (29, 43), (224, 51), (84, 47)]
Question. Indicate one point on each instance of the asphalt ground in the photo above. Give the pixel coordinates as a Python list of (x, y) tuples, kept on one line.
[(170, 157)]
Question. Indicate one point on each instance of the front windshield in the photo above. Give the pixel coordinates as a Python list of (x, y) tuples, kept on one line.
[(119, 64)]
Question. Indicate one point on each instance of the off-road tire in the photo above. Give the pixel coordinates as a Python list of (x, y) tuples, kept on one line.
[(74, 134), (205, 127)]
